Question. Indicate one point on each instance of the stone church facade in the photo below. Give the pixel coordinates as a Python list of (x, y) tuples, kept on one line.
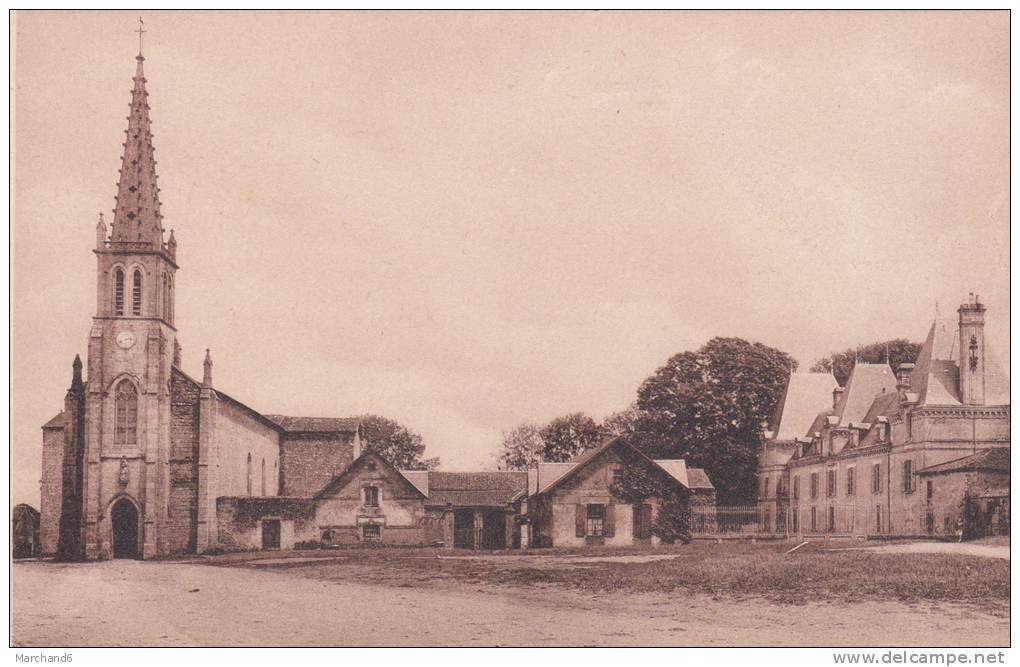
[(135, 462), (894, 451)]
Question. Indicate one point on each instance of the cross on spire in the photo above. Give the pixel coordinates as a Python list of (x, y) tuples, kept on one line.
[(141, 31)]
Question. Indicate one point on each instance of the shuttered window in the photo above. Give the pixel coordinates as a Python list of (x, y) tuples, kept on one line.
[(876, 478), (850, 490), (908, 476)]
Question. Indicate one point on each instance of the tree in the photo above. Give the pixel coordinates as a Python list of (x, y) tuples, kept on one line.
[(522, 448), (895, 352), (623, 422), (396, 443), (709, 408), (565, 437)]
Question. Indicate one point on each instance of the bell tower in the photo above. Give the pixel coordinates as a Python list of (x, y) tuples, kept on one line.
[(130, 352)]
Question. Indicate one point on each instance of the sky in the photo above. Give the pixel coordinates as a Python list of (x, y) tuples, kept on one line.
[(467, 221)]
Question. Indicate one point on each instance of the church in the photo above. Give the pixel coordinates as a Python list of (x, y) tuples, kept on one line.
[(145, 461)]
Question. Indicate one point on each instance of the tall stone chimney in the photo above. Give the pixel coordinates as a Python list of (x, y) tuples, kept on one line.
[(837, 393), (903, 372), (972, 351)]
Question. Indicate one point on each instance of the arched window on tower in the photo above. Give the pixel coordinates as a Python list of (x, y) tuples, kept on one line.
[(263, 478), (126, 413), (249, 473), (118, 292), (166, 297), (136, 293), (170, 284)]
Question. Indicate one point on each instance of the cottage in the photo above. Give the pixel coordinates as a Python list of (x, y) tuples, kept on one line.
[(578, 503), (25, 531)]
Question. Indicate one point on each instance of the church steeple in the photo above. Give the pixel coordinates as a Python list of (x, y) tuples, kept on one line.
[(137, 217)]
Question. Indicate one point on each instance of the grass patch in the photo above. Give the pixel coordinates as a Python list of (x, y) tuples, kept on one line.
[(740, 569)]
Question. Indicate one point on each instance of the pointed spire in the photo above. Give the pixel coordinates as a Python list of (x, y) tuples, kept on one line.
[(76, 381), (100, 232), (137, 217), (207, 370)]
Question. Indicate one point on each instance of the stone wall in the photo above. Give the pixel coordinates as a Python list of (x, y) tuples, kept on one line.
[(309, 461), (240, 434), (239, 521), (49, 502), (182, 510)]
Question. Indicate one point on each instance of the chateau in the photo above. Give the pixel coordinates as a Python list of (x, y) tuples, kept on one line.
[(145, 461), (908, 451)]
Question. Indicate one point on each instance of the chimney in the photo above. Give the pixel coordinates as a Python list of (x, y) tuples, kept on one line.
[(972, 351), (837, 393), (903, 372)]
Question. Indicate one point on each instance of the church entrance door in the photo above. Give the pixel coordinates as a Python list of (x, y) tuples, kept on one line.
[(124, 517), (271, 534)]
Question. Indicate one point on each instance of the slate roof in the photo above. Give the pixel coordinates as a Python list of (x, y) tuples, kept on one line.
[(805, 394), (475, 489), (57, 421), (995, 460), (677, 469), (316, 424), (884, 405), (420, 479), (936, 377), (549, 473), (866, 382)]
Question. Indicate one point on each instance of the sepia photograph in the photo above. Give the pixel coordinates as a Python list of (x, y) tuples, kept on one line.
[(556, 328)]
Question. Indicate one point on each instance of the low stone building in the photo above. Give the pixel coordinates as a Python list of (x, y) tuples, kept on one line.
[(574, 503), (972, 491)]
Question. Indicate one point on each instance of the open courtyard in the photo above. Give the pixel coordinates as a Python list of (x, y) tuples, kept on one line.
[(702, 594)]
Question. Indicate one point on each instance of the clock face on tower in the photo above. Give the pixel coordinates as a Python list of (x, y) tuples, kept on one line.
[(125, 339)]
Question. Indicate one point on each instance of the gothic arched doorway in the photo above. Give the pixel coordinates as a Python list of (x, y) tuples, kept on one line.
[(124, 517)]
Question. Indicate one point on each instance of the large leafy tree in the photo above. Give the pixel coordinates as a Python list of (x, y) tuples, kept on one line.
[(565, 437), (895, 352), (396, 443), (709, 407), (522, 448)]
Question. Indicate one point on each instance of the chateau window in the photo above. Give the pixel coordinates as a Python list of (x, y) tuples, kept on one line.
[(118, 292), (126, 413), (832, 519), (766, 493), (878, 518), (794, 517), (876, 478), (136, 293), (796, 487), (814, 485), (850, 490), (596, 520), (814, 520), (830, 483), (908, 476), (249, 473), (371, 531), (371, 496), (930, 490)]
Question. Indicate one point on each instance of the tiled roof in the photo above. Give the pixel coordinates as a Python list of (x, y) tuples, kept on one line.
[(996, 460), (340, 480), (476, 489), (866, 382), (804, 396), (316, 424), (677, 469), (420, 479), (57, 421), (550, 472), (698, 479)]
